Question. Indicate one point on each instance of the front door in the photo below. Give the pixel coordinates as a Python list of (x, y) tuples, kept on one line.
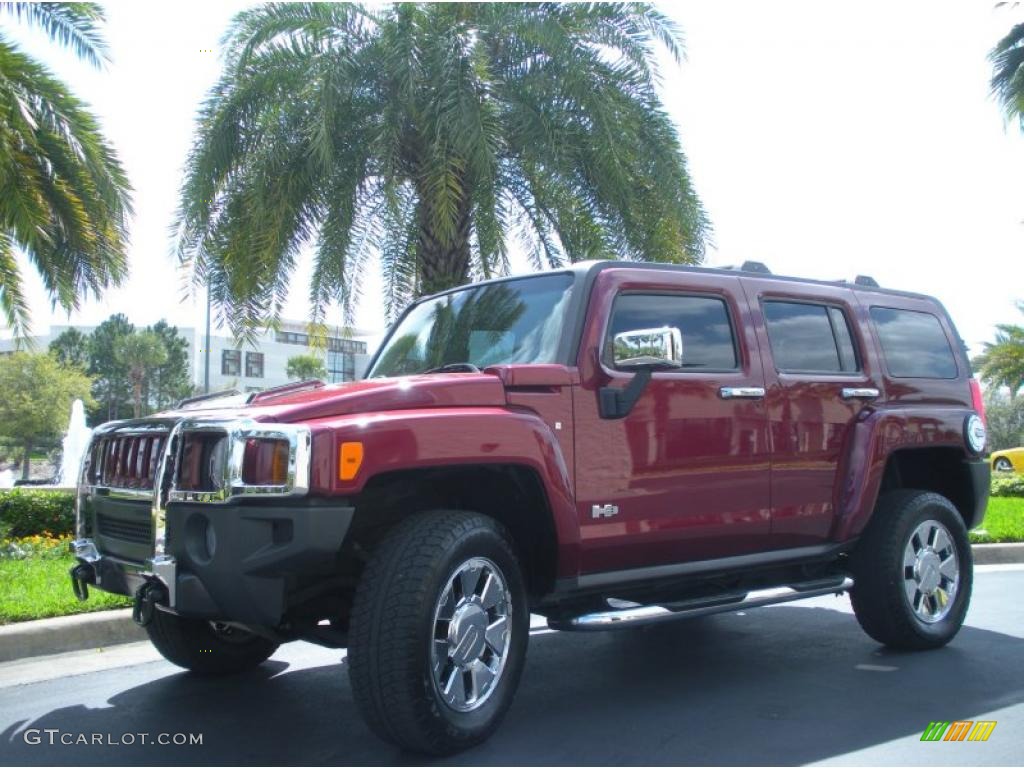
[(684, 476)]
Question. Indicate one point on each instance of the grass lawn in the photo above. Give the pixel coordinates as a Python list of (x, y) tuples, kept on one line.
[(1004, 521), (36, 588)]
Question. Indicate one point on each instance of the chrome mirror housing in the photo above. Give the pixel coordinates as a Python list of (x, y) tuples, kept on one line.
[(648, 348)]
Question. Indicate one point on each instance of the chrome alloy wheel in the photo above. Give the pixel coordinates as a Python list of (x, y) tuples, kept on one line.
[(931, 571), (472, 622)]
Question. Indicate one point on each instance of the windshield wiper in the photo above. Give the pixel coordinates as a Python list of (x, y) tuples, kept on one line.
[(454, 368)]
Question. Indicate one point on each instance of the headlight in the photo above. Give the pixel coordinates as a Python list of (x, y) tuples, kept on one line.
[(265, 461), (219, 460)]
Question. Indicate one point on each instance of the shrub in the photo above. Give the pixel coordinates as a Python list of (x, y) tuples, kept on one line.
[(43, 547), (1007, 485), (26, 512)]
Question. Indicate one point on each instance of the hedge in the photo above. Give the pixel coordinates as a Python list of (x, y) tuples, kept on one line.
[(1006, 484), (31, 512)]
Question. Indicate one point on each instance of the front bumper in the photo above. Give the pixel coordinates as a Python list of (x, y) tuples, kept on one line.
[(234, 562)]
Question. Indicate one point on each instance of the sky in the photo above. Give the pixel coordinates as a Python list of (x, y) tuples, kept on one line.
[(825, 140)]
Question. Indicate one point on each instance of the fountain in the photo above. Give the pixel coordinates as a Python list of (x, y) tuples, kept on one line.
[(75, 444)]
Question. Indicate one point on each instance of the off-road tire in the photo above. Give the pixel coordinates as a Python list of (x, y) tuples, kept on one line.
[(195, 645), (878, 596), (392, 629)]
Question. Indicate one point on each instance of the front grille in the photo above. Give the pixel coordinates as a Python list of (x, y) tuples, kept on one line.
[(126, 461), (134, 531)]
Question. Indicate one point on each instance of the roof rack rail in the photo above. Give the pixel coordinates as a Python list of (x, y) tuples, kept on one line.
[(866, 281), (750, 266), (207, 396), (285, 389)]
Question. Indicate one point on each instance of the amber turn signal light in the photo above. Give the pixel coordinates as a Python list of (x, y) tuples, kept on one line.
[(350, 458)]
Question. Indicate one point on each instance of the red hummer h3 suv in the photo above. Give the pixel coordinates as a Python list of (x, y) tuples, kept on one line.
[(608, 445)]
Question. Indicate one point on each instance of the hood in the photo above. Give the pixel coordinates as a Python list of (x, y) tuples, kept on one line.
[(424, 391)]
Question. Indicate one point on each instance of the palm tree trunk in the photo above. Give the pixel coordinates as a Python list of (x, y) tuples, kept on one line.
[(443, 262), (137, 393), (26, 462)]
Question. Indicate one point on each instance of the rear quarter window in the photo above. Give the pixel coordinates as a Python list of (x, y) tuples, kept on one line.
[(914, 344)]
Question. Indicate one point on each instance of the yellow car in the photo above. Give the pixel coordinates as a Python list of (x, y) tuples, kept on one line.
[(1010, 460)]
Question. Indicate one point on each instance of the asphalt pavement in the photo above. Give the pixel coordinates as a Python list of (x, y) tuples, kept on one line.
[(785, 685)]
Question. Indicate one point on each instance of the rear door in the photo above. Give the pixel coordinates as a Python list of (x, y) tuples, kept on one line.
[(818, 379), (684, 475)]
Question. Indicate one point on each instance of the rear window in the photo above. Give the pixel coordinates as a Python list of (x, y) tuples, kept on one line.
[(914, 344), (809, 338)]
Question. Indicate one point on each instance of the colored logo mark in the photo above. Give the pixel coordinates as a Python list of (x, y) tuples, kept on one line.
[(959, 730)]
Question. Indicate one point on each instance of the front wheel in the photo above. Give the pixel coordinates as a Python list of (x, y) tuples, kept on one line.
[(207, 648), (913, 571), (1003, 465), (438, 633)]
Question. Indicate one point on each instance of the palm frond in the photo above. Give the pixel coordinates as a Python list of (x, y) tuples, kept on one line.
[(73, 25)]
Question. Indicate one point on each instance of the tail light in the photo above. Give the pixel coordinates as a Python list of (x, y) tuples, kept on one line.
[(977, 401), (265, 462)]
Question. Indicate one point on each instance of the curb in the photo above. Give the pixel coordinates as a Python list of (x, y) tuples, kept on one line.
[(95, 630), (990, 554), (44, 637)]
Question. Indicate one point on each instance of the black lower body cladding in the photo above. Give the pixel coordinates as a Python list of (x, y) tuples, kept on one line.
[(981, 483), (237, 562)]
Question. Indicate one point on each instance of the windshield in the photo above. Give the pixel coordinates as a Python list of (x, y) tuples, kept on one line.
[(514, 321)]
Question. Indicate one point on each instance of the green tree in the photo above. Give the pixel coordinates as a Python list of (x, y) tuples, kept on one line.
[(36, 393), (1008, 74), (171, 380), (112, 388), (71, 348), (304, 367), (64, 198), (141, 353), (430, 133), (1001, 364), (1004, 418)]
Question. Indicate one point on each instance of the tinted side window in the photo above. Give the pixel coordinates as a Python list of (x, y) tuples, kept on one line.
[(914, 344), (809, 338), (703, 321)]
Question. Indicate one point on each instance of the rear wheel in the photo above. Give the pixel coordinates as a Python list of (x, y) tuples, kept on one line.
[(913, 571), (438, 633), (205, 647), (1003, 464)]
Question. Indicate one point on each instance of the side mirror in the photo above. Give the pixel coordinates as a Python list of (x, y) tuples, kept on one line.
[(644, 351), (648, 348)]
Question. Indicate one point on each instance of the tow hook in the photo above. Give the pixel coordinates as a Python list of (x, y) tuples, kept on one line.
[(146, 598), (82, 575)]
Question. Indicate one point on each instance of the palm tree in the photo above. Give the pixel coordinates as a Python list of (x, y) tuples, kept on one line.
[(1008, 73), (63, 195), (431, 134), (1001, 364), (141, 353)]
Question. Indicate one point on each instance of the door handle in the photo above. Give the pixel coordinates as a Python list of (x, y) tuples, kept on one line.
[(728, 393), (865, 393)]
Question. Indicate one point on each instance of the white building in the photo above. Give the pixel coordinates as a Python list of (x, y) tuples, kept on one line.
[(263, 364)]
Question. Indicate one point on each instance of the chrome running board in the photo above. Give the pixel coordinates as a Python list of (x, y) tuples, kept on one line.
[(654, 614)]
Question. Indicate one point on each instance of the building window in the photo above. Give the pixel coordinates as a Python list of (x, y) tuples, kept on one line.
[(231, 362), (289, 337), (346, 345), (254, 365), (341, 366)]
